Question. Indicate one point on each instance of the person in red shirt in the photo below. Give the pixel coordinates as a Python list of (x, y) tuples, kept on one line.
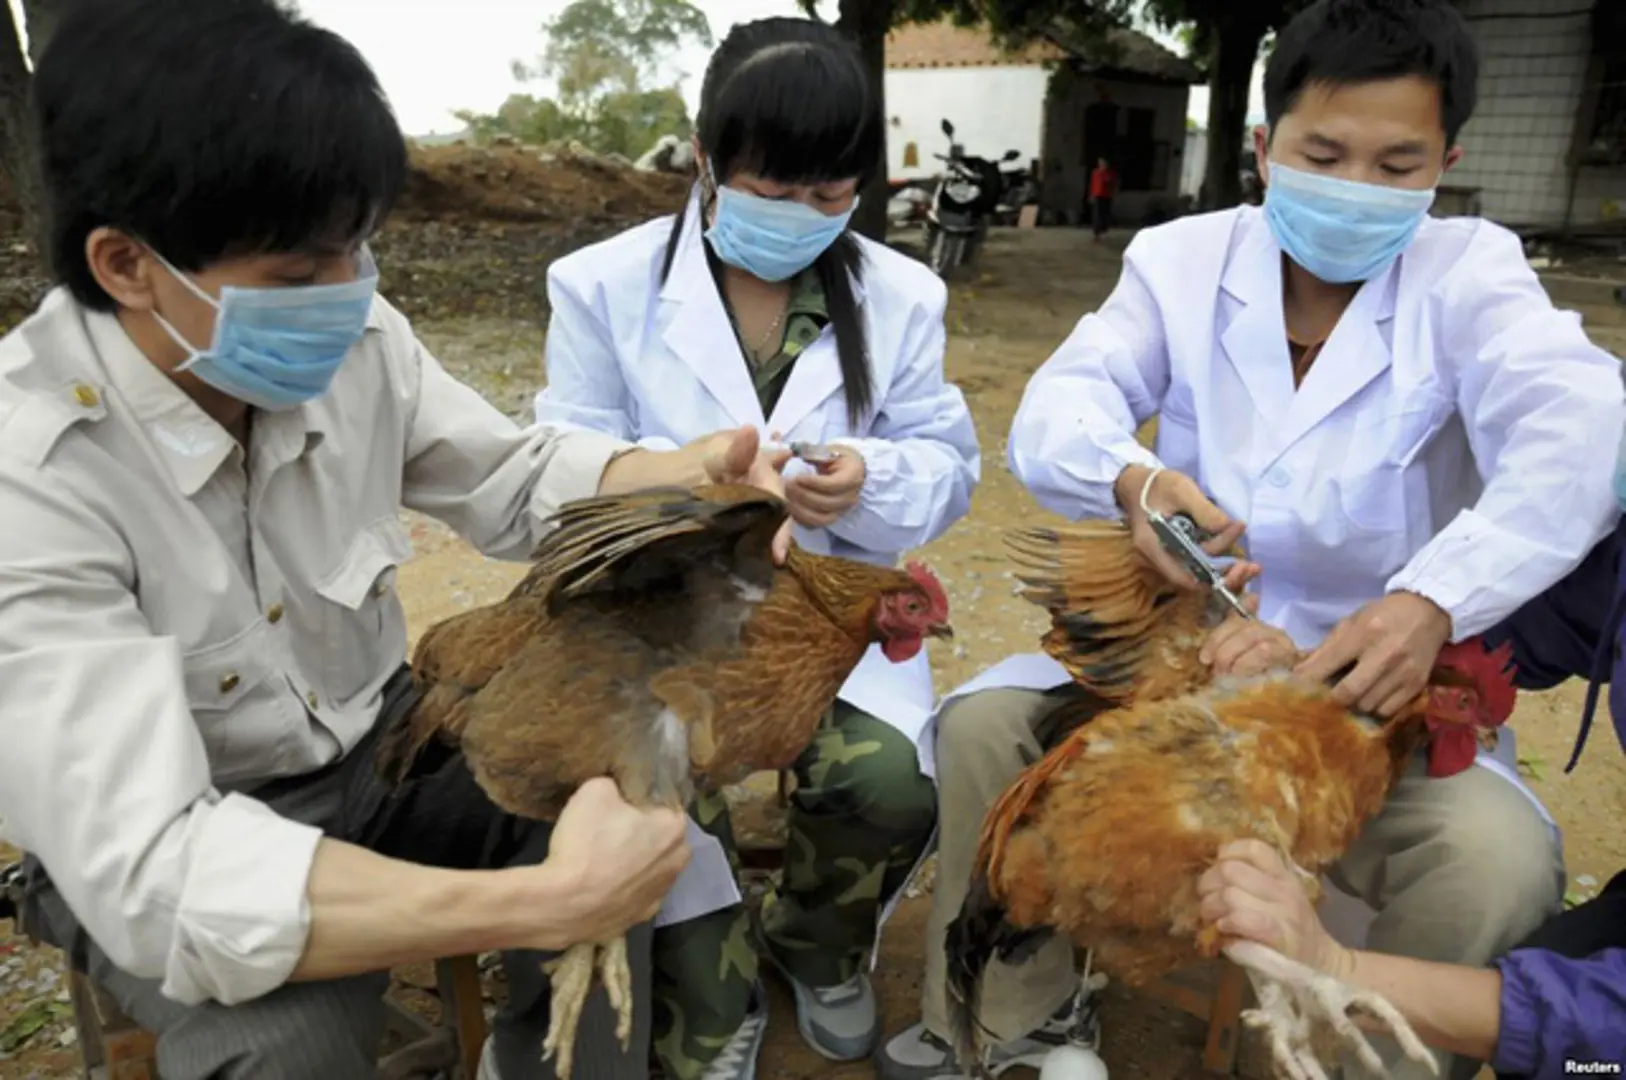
[(1103, 186)]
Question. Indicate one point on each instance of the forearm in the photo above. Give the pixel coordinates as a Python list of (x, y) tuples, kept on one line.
[(634, 470), (369, 912), (1452, 1008)]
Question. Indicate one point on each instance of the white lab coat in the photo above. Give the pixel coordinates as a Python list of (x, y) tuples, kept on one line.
[(660, 365), (1451, 439)]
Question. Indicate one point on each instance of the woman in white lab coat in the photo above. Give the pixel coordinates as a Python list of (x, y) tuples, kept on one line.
[(756, 306)]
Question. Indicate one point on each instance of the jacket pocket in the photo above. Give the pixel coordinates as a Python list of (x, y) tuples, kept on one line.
[(364, 626), (1379, 488), (218, 679)]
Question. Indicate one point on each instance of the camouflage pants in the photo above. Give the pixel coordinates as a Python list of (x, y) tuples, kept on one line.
[(860, 817)]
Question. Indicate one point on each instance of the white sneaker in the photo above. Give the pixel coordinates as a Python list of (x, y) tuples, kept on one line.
[(738, 1059), (917, 1054)]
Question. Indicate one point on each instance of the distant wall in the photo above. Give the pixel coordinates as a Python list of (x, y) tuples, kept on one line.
[(1071, 145), (1533, 64), (993, 109)]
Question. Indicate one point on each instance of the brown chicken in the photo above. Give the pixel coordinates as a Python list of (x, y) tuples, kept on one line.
[(653, 641), (1156, 765)]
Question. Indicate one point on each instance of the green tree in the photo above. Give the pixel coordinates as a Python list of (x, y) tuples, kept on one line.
[(1227, 36), (604, 57)]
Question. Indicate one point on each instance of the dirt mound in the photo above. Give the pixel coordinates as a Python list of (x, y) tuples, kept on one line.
[(521, 184)]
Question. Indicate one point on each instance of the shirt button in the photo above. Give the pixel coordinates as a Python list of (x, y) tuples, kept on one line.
[(1279, 478), (228, 682), (86, 395), (274, 613), (310, 699)]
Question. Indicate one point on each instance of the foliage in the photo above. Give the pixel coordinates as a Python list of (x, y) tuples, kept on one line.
[(604, 57), (626, 122)]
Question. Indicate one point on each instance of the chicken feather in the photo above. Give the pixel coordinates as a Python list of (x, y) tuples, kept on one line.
[(653, 641), (1156, 765)]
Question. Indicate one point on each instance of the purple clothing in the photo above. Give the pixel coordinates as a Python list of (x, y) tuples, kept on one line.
[(1555, 1009)]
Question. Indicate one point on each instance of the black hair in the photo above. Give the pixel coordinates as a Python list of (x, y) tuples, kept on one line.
[(1341, 42), (789, 100), (208, 129)]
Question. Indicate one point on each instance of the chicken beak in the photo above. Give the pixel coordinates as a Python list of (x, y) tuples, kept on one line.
[(941, 630)]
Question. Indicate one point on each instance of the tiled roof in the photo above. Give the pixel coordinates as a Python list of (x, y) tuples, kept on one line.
[(942, 45)]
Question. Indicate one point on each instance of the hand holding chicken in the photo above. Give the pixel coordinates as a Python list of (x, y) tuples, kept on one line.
[(655, 641), (1159, 765)]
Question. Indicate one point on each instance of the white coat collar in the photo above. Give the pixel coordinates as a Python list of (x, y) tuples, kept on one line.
[(699, 332), (1255, 339)]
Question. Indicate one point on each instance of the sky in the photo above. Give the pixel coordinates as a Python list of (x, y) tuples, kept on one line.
[(434, 56), (437, 56)]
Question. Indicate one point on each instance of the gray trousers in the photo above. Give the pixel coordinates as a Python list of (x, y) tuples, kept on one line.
[(1459, 870), (332, 1030)]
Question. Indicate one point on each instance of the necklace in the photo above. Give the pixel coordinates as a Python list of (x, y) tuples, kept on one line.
[(756, 353)]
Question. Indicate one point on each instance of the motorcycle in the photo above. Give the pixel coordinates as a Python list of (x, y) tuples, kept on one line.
[(1018, 188), (963, 201)]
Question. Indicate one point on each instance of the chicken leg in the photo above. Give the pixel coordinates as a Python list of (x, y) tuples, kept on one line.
[(572, 979), (1306, 1015)]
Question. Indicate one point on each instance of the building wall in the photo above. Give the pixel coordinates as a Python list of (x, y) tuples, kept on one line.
[(1066, 179), (1533, 57), (993, 109)]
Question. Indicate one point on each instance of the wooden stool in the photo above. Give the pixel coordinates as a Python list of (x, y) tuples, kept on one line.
[(114, 1048), (1219, 1006), (111, 1046)]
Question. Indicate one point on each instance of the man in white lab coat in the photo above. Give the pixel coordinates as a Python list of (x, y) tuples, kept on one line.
[(207, 433), (1389, 412)]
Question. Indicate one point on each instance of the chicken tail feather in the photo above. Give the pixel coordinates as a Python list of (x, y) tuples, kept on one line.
[(1108, 606), (982, 932), (978, 935)]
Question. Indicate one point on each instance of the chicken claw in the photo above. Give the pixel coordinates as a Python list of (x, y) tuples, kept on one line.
[(572, 978), (1305, 1013), (616, 975)]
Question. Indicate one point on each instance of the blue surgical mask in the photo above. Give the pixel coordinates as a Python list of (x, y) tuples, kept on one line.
[(772, 239), (277, 348), (1340, 230)]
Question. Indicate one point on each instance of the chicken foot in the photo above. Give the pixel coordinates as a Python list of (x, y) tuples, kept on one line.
[(572, 978), (1305, 1013)]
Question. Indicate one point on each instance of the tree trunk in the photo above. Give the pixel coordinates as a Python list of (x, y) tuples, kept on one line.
[(19, 146), (1236, 47), (867, 22)]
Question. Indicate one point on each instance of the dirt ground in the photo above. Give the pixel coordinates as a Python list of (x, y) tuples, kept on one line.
[(1004, 319)]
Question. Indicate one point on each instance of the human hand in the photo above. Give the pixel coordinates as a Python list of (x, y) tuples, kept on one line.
[(1250, 893), (1173, 493), (820, 498), (1393, 643), (737, 457), (1246, 647), (614, 862)]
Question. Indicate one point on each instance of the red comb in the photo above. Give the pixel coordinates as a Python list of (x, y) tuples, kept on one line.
[(933, 588), (1491, 671)]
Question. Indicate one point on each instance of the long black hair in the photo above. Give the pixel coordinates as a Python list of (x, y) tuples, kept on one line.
[(788, 100)]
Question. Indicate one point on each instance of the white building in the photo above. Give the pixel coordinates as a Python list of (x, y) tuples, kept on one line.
[(1063, 106), (1546, 148)]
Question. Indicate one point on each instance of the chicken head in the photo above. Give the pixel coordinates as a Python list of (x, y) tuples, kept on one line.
[(905, 617)]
